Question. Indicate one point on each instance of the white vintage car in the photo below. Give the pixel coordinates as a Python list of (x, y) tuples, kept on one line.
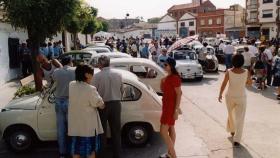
[(26, 120), (147, 71), (212, 63), (94, 58), (187, 64)]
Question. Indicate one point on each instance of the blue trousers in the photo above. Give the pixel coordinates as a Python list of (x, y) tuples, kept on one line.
[(228, 58), (61, 109)]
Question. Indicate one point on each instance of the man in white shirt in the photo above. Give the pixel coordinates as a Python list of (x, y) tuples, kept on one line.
[(155, 51), (253, 49), (221, 47), (248, 59), (269, 55), (229, 50)]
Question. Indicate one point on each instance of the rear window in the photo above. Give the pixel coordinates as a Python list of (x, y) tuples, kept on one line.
[(130, 93)]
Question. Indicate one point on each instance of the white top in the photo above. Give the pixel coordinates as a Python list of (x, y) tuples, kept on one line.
[(229, 49), (83, 116), (248, 58), (222, 46), (48, 73), (253, 50), (237, 84), (268, 54)]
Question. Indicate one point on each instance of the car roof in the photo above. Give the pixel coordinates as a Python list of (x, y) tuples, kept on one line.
[(81, 51), (112, 54), (127, 76)]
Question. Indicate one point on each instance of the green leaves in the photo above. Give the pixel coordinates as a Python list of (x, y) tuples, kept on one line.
[(25, 90)]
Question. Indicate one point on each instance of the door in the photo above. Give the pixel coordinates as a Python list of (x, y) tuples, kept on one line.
[(47, 118), (14, 56)]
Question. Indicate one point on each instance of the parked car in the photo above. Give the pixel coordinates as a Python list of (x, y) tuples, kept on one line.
[(79, 56), (211, 41), (187, 64), (28, 119), (212, 63), (111, 55), (99, 49), (147, 71), (100, 45)]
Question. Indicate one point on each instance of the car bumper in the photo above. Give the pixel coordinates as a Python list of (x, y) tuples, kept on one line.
[(191, 76)]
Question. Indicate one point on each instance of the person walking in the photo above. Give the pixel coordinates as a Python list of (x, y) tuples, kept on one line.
[(62, 77), (248, 59), (84, 125), (236, 99), (108, 83), (268, 54), (261, 69), (155, 51), (276, 73), (229, 50), (171, 88)]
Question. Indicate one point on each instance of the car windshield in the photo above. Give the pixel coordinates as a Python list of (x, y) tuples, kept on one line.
[(185, 55)]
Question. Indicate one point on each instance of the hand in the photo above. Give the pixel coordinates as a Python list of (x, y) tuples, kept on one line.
[(176, 115), (220, 98)]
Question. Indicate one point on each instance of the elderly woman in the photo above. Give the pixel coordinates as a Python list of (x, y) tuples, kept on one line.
[(236, 99), (84, 125)]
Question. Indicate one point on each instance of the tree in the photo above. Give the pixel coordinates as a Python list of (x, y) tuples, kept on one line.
[(154, 20), (90, 28), (41, 19), (105, 26), (77, 23)]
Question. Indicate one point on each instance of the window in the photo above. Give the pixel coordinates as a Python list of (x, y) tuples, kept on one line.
[(143, 72), (267, 1), (210, 21), (130, 93), (219, 21), (183, 24), (253, 15), (202, 22), (267, 13), (191, 23)]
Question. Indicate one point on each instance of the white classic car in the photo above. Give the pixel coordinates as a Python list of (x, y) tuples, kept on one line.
[(147, 71), (94, 58), (26, 120), (187, 64), (212, 63)]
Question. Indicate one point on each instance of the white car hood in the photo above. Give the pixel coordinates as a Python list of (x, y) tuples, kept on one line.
[(24, 103), (186, 63)]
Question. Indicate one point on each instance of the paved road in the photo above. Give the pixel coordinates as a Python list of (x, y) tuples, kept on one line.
[(201, 129)]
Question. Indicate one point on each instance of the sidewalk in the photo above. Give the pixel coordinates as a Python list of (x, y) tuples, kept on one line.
[(7, 92)]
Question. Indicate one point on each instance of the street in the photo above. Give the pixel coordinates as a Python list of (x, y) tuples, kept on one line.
[(201, 130)]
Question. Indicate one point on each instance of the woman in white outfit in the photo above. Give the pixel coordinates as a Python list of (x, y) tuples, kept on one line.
[(236, 100)]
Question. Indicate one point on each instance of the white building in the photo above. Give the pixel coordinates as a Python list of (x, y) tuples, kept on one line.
[(267, 18), (262, 18), (167, 26), (187, 25)]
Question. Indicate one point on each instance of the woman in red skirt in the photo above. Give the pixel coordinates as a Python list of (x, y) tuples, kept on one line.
[(171, 88)]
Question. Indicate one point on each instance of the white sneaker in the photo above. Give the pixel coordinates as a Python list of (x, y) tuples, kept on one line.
[(166, 155)]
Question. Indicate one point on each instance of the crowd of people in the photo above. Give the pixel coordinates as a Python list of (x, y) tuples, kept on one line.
[(84, 105), (261, 60)]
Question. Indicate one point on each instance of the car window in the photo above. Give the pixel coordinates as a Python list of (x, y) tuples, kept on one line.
[(130, 93), (143, 71), (185, 56)]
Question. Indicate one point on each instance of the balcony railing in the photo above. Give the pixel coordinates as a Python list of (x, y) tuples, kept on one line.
[(252, 6), (254, 20)]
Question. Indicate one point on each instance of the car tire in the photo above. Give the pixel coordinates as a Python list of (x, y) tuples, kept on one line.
[(137, 135), (199, 78), (20, 140)]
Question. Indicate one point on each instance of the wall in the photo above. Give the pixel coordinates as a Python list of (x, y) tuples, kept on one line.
[(188, 18), (234, 19), (267, 6)]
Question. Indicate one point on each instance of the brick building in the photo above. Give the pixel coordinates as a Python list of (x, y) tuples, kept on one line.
[(197, 6), (211, 23)]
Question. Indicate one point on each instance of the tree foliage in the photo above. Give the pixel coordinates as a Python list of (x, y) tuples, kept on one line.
[(154, 20)]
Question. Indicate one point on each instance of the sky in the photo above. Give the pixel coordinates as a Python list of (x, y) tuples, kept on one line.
[(145, 8)]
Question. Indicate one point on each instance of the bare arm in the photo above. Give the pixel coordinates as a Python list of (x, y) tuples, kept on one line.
[(56, 63), (177, 104), (224, 84), (249, 80)]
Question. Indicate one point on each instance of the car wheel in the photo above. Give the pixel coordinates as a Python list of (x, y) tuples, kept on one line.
[(199, 78), (137, 135), (20, 140)]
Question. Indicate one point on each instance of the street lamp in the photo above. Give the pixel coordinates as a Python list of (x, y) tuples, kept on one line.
[(126, 17)]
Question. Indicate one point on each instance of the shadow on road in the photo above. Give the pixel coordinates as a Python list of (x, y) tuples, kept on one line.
[(241, 151)]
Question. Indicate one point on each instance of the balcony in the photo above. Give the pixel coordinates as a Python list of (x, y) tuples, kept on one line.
[(253, 20), (252, 7)]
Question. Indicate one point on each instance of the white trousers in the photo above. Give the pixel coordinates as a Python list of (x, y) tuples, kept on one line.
[(236, 115)]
